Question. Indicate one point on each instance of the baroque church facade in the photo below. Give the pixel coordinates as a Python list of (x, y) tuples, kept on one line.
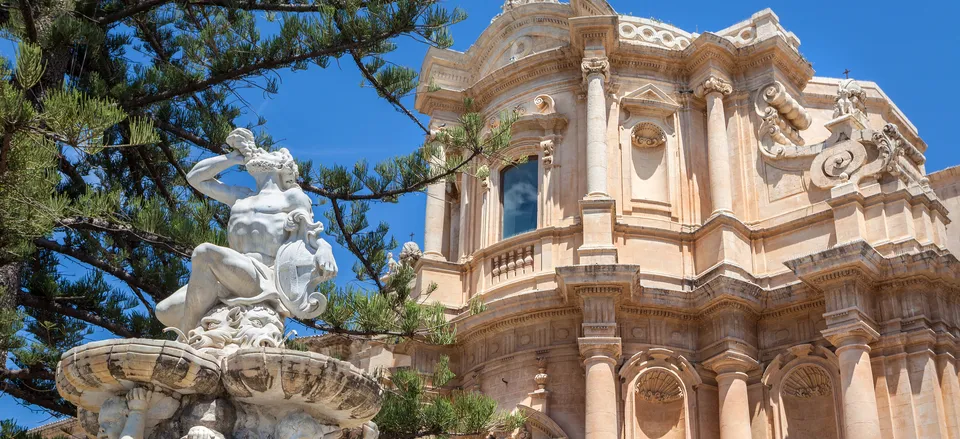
[(704, 240)]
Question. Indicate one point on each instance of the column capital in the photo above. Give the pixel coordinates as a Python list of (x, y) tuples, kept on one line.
[(857, 333), (593, 349), (595, 65), (728, 362), (713, 84)]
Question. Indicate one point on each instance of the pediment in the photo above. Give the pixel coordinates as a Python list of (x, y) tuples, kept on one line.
[(540, 421), (649, 99), (522, 45)]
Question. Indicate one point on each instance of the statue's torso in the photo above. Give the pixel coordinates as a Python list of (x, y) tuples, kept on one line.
[(256, 225)]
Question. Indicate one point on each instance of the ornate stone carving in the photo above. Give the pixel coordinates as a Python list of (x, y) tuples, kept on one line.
[(410, 253), (783, 119), (851, 99), (846, 160), (510, 4), (279, 266), (808, 381), (713, 84), (547, 146), (654, 34), (659, 386), (595, 66), (541, 377), (647, 135), (228, 375), (545, 104)]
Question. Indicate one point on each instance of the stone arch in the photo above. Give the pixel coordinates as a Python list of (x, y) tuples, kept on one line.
[(803, 397), (541, 423), (663, 382)]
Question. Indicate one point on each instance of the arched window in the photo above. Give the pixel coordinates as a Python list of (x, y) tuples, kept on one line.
[(519, 197)]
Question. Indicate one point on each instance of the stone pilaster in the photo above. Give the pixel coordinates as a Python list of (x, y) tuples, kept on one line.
[(600, 348), (731, 368), (433, 224), (713, 89), (859, 399)]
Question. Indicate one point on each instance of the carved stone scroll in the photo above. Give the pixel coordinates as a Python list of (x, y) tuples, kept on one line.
[(783, 119)]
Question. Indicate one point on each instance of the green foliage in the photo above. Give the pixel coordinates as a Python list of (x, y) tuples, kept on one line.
[(10, 430), (109, 103), (417, 406)]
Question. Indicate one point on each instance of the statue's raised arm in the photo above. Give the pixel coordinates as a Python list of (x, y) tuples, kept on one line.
[(203, 176)]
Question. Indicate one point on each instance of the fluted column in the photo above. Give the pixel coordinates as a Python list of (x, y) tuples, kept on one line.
[(713, 89), (433, 224), (731, 368), (600, 360), (595, 73), (861, 419)]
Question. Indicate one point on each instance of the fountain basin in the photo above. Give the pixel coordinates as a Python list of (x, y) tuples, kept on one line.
[(332, 391)]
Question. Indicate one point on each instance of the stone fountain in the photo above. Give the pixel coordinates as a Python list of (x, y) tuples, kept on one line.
[(228, 374)]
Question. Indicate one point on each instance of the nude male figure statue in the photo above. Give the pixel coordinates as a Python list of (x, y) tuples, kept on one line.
[(275, 255)]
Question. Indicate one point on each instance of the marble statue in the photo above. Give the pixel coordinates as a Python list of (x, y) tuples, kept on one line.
[(228, 375), (275, 255)]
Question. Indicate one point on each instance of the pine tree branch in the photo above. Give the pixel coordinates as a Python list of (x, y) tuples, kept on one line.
[(392, 193), (93, 318), (267, 64), (384, 93), (48, 400), (102, 225), (352, 246), (27, 373), (88, 259), (29, 24), (185, 135)]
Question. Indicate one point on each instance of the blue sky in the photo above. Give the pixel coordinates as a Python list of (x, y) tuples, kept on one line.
[(909, 48)]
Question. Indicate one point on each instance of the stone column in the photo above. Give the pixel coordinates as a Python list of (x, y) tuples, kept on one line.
[(600, 360), (595, 73), (433, 224), (860, 417), (731, 368), (718, 150)]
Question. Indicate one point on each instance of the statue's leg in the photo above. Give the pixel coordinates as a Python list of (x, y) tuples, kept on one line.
[(217, 271), (170, 310)]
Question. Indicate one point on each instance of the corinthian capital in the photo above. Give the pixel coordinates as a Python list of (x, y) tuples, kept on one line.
[(595, 65), (713, 84)]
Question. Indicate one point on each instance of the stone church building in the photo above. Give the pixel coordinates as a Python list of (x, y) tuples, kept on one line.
[(704, 241)]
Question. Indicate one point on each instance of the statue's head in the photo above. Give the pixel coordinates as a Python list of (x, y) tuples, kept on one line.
[(112, 417), (216, 329), (279, 161)]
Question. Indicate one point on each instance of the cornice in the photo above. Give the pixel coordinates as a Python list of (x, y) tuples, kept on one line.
[(515, 321)]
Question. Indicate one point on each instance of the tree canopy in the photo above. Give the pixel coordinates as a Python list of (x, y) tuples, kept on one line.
[(105, 108)]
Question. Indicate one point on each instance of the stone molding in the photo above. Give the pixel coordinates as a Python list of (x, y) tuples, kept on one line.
[(600, 348), (713, 84), (729, 362)]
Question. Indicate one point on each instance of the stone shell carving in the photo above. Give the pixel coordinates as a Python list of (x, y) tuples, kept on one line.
[(808, 381), (658, 386), (647, 135), (327, 389)]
